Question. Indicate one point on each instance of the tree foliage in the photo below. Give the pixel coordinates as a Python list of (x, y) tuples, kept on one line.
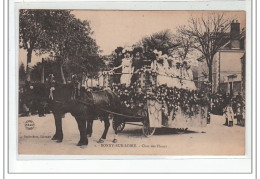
[(66, 37), (184, 44), (32, 37), (50, 67), (162, 41)]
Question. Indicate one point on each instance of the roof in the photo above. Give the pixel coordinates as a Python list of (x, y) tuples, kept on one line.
[(241, 37)]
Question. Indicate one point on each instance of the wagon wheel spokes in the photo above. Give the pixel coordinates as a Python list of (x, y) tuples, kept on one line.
[(147, 130), (118, 126)]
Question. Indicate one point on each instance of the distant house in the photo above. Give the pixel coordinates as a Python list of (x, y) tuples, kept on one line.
[(228, 64)]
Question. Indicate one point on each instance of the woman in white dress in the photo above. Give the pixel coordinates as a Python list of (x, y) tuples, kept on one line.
[(127, 68), (154, 62), (229, 115), (191, 83), (169, 72), (161, 69), (187, 77), (173, 72)]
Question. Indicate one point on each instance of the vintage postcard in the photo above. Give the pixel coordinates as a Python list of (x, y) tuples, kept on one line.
[(108, 82)]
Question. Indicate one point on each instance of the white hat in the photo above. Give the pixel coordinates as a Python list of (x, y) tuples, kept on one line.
[(165, 56), (127, 49), (155, 51), (170, 58), (159, 53)]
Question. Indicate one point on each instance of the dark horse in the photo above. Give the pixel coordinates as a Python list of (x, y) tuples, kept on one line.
[(85, 106)]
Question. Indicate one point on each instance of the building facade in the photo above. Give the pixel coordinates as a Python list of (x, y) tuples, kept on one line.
[(228, 64)]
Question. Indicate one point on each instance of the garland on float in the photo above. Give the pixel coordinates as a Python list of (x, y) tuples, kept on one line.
[(133, 97)]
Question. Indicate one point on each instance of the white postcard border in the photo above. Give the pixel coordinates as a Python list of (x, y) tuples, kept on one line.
[(40, 164)]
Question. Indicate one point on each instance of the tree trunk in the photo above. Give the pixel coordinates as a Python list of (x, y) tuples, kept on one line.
[(42, 75), (62, 75), (210, 77), (29, 55), (28, 70)]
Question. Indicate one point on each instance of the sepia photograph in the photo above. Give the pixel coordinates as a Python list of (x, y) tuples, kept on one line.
[(131, 82)]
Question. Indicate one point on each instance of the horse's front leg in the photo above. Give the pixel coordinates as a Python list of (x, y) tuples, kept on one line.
[(58, 124), (116, 130), (115, 137), (104, 135), (89, 128), (83, 131)]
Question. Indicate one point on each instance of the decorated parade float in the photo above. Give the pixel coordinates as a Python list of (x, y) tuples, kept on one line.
[(159, 93)]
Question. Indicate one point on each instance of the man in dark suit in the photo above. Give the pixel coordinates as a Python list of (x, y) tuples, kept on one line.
[(118, 62)]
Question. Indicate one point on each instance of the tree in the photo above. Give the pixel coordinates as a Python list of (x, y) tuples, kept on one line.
[(161, 41), (60, 33), (209, 35), (32, 32), (50, 67), (22, 73), (73, 45), (184, 44)]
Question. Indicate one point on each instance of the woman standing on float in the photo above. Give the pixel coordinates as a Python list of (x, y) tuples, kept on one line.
[(174, 74), (160, 66), (127, 68), (187, 77)]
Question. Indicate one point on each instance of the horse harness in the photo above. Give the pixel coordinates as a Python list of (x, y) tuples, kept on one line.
[(97, 98)]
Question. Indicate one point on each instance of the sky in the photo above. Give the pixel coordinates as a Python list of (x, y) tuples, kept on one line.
[(124, 28)]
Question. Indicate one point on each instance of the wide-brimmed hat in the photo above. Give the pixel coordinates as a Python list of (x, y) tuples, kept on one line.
[(137, 49), (165, 56), (170, 58), (157, 53), (127, 49), (119, 49)]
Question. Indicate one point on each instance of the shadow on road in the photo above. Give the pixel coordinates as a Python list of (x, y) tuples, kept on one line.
[(158, 132), (168, 131)]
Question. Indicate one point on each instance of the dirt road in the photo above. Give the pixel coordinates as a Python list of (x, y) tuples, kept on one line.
[(215, 139)]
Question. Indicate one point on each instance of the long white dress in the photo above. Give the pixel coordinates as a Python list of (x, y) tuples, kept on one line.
[(229, 114), (187, 80), (127, 71), (174, 81), (191, 83), (162, 78)]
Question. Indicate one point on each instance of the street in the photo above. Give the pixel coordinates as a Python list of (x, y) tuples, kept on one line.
[(215, 139)]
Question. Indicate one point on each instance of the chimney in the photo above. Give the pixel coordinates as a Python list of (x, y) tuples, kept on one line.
[(235, 34)]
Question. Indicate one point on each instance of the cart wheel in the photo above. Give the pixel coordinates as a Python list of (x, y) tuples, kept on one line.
[(147, 130), (118, 126)]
